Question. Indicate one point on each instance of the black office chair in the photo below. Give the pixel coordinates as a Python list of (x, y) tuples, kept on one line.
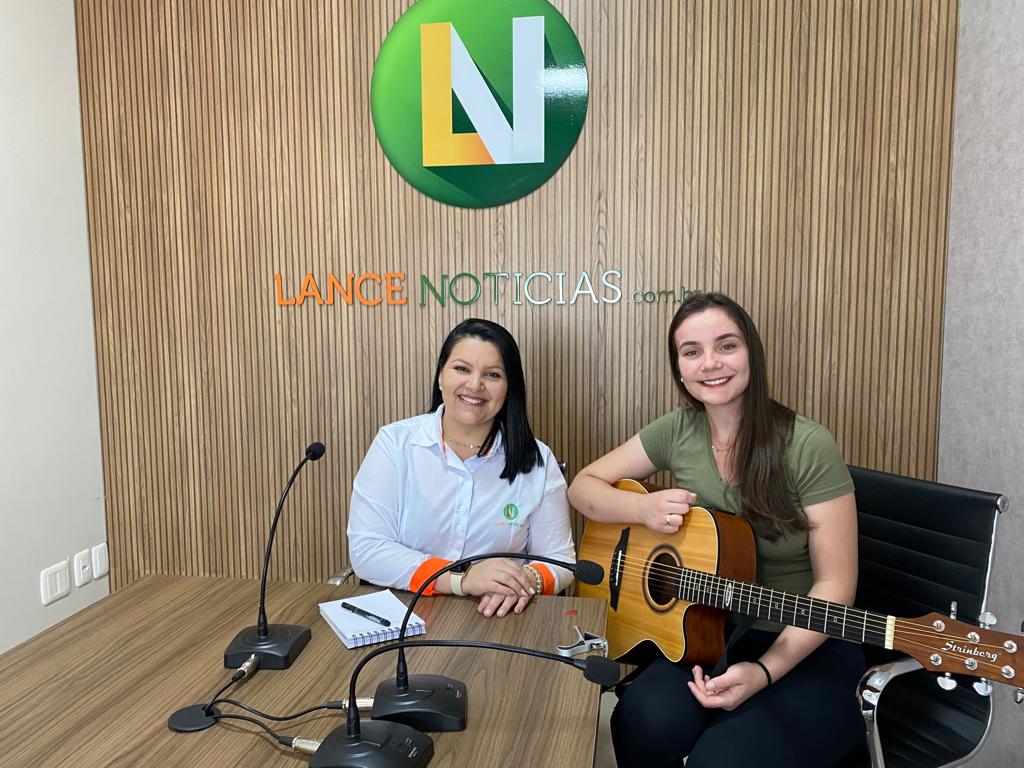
[(923, 546)]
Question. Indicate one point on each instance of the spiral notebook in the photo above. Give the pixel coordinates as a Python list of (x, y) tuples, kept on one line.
[(355, 631)]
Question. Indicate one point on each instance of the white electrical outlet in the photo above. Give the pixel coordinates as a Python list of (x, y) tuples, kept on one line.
[(54, 583), (83, 567), (100, 560)]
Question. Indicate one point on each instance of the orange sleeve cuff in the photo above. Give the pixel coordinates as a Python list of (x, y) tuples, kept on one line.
[(546, 576), (427, 569)]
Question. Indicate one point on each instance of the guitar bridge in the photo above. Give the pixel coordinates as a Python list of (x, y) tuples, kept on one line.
[(618, 565)]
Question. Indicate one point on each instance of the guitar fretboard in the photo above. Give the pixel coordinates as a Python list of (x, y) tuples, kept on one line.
[(835, 619)]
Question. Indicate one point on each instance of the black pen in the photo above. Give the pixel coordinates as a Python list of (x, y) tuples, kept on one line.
[(366, 614)]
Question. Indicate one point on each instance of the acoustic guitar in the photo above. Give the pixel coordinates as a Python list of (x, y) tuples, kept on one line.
[(675, 591)]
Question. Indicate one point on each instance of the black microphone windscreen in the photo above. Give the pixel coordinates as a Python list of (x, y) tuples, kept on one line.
[(589, 572), (601, 671), (315, 451)]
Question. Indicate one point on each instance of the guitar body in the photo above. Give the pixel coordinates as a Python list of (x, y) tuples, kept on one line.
[(643, 605)]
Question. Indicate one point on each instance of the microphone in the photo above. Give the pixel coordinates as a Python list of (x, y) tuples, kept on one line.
[(387, 743), (424, 701), (275, 645)]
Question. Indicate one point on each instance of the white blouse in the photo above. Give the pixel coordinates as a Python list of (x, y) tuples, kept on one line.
[(414, 499)]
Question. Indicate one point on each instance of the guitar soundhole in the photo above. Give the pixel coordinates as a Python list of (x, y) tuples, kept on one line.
[(661, 580)]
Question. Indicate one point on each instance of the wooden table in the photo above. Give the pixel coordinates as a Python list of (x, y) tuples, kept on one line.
[(96, 689)]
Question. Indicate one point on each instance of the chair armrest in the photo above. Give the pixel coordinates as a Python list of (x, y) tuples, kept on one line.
[(869, 691)]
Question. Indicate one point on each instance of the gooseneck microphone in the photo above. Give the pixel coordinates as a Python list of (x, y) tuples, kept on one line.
[(427, 702), (275, 645), (387, 743)]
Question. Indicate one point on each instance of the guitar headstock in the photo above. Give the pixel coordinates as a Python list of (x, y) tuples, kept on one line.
[(942, 644)]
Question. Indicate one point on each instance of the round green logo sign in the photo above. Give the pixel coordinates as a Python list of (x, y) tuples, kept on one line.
[(478, 104), (511, 512)]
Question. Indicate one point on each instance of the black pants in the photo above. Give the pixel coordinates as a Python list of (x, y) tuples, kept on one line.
[(809, 718)]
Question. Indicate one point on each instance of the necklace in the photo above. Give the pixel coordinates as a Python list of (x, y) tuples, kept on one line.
[(716, 449), (471, 447)]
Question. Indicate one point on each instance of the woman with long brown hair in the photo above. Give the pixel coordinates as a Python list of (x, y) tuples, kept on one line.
[(787, 696)]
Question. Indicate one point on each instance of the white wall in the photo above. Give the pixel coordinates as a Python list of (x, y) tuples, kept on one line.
[(51, 483), (981, 428)]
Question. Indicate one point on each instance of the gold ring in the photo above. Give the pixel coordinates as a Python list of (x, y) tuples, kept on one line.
[(668, 519)]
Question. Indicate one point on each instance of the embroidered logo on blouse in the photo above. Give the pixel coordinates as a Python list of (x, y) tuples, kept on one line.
[(511, 512)]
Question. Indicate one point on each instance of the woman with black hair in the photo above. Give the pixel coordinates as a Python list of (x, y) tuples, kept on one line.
[(465, 478), (786, 697)]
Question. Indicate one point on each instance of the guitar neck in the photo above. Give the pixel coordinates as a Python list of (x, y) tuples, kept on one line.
[(835, 619)]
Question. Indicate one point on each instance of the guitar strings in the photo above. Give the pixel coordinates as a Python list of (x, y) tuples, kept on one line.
[(696, 580), (906, 635), (710, 584)]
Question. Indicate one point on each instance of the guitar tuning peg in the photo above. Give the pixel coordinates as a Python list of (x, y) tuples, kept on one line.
[(946, 682), (952, 610), (983, 687), (986, 620), (1018, 695)]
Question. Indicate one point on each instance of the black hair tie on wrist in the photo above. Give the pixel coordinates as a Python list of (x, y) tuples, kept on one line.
[(765, 670)]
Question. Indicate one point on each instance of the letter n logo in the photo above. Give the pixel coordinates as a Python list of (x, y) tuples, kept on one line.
[(447, 68)]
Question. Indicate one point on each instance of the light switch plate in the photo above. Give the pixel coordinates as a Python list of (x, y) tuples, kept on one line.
[(54, 583), (100, 560), (83, 568)]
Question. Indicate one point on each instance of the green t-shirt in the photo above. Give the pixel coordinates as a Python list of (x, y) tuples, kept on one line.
[(680, 441)]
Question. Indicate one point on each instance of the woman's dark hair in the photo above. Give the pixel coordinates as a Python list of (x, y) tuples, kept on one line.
[(521, 451), (765, 427)]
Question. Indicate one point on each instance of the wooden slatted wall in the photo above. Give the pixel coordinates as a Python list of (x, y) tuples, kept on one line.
[(794, 154)]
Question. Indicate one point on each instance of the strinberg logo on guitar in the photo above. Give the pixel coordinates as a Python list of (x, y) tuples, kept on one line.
[(970, 651)]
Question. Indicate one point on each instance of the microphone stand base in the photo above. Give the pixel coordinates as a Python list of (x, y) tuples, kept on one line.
[(430, 703), (379, 745), (281, 646), (192, 719)]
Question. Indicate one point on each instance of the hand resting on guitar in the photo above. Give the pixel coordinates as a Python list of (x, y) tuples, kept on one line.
[(593, 492), (665, 511)]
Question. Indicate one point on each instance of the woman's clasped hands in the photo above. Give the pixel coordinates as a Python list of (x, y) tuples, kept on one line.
[(501, 584)]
